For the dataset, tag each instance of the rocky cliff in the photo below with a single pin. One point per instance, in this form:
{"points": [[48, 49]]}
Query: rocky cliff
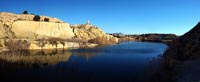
{"points": [[22, 30], [35, 30], [22, 26], [89, 32]]}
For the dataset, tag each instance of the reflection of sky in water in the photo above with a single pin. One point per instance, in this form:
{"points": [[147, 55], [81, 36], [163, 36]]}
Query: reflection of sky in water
{"points": [[122, 62]]}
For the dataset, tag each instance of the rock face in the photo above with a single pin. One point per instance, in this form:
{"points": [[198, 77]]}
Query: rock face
{"points": [[88, 32], [21, 31], [186, 47], [35, 30], [23, 26]]}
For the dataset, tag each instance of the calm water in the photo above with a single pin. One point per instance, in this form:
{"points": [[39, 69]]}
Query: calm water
{"points": [[125, 62]]}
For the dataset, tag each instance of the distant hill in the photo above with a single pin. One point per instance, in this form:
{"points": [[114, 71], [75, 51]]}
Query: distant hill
{"points": [[153, 37]]}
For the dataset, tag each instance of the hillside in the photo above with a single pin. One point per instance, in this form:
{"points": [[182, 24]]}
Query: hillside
{"points": [[187, 46], [27, 31], [183, 56]]}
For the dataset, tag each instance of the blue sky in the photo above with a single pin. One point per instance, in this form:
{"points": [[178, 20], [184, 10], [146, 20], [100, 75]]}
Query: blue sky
{"points": [[114, 16]]}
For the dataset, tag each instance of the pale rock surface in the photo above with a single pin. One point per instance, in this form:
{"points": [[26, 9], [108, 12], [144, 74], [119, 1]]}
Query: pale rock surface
{"points": [[23, 26], [88, 32], [35, 30]]}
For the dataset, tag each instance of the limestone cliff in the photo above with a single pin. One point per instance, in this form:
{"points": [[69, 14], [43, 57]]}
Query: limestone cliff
{"points": [[35, 30], [21, 31], [22, 26], [89, 32]]}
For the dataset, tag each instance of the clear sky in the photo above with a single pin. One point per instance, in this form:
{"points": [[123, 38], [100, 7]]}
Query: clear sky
{"points": [[114, 16]]}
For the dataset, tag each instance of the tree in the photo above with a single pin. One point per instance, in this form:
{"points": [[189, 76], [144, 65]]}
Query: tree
{"points": [[25, 12], [36, 18], [63, 43], [42, 43], [46, 19]]}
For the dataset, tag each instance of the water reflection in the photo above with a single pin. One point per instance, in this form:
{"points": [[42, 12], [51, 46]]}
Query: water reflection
{"points": [[124, 62], [31, 58], [41, 58]]}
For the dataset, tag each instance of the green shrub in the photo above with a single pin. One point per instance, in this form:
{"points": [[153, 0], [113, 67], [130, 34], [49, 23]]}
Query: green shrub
{"points": [[46, 19], [25, 12], [36, 18]]}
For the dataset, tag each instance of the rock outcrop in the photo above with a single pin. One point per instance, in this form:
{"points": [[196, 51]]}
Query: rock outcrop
{"points": [[23, 26], [22, 31], [88, 32], [35, 30], [185, 47]]}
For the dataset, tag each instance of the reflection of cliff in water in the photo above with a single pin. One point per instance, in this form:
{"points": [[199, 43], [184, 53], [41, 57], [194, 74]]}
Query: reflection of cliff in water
{"points": [[41, 58], [33, 58]]}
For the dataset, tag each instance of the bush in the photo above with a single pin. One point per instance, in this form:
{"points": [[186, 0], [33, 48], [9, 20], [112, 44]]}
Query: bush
{"points": [[17, 44], [36, 18], [46, 19], [41, 44], [10, 44], [25, 12]]}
